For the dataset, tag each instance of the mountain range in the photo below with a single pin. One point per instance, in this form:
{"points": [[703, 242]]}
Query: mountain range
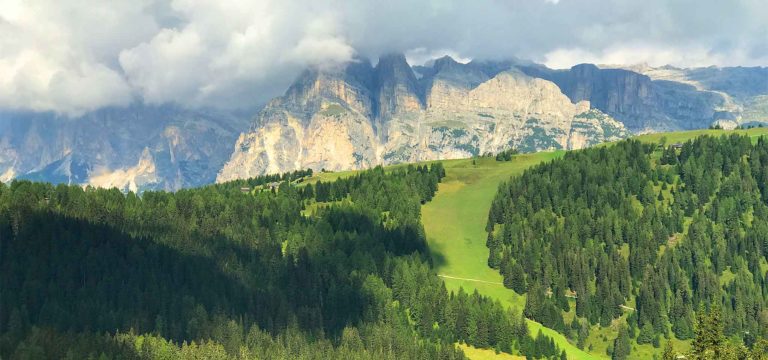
{"points": [[359, 114], [135, 148]]}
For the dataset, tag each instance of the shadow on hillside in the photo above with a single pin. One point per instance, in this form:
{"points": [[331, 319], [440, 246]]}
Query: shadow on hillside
{"points": [[74, 276], [77, 276]]}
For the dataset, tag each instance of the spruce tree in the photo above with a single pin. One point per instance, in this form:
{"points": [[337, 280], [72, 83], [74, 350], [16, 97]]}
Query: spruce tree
{"points": [[621, 345], [669, 352]]}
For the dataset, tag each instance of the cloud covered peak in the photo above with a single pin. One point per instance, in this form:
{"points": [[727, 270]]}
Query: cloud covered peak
{"points": [[72, 56]]}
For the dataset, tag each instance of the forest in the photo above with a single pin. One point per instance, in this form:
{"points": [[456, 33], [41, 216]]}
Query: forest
{"points": [[664, 241], [215, 272]]}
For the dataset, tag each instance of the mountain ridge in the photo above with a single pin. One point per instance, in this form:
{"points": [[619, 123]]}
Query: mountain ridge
{"points": [[385, 114], [357, 115]]}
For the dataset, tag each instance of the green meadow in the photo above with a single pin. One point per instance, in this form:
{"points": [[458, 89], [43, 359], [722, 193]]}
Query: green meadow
{"points": [[455, 225]]}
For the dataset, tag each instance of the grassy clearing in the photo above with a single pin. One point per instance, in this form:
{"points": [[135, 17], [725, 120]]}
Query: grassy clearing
{"points": [[455, 224], [601, 338], [486, 354], [455, 219]]}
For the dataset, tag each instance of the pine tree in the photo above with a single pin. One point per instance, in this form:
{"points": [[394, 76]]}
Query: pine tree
{"points": [[646, 334], [700, 345], [669, 352], [517, 278], [621, 346], [709, 337], [583, 335]]}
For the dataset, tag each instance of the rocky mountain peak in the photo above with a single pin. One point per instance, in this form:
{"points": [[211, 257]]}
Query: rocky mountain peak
{"points": [[444, 63], [349, 83], [138, 147], [449, 72], [355, 115], [584, 70], [397, 89]]}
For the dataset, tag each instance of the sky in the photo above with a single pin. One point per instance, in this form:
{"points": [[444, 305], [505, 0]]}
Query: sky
{"points": [[74, 56]]}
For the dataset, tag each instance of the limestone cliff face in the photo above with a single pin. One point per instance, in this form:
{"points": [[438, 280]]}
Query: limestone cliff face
{"points": [[744, 89], [358, 116], [640, 102], [397, 89], [135, 148], [323, 122]]}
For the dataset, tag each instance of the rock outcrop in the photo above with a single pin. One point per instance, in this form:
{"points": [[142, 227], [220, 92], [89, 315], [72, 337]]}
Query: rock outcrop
{"points": [[357, 116]]}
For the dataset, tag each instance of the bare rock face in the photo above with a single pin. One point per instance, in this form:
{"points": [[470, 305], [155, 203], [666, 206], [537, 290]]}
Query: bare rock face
{"points": [[358, 116], [397, 90], [323, 122], [135, 148], [642, 103], [744, 90]]}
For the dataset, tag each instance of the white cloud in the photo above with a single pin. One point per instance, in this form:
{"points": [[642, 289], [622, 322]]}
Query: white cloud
{"points": [[689, 56], [54, 56], [628, 55], [321, 45], [420, 56], [169, 67], [72, 56], [223, 47]]}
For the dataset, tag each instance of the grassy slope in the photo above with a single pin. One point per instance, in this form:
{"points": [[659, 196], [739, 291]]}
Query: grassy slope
{"points": [[683, 136], [455, 224]]}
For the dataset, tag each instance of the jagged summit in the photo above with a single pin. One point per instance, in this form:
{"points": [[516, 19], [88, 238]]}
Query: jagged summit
{"points": [[357, 116], [397, 89]]}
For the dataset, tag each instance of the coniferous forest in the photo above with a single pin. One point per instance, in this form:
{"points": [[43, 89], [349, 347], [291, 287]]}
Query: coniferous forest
{"points": [[317, 271], [670, 240]]}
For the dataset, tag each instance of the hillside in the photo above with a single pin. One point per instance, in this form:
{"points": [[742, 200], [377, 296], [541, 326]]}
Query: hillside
{"points": [[455, 223], [326, 270], [643, 238], [340, 265]]}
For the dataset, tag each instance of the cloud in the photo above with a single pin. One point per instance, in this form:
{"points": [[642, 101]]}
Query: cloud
{"points": [[73, 56], [56, 57], [421, 56], [652, 55], [225, 50]]}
